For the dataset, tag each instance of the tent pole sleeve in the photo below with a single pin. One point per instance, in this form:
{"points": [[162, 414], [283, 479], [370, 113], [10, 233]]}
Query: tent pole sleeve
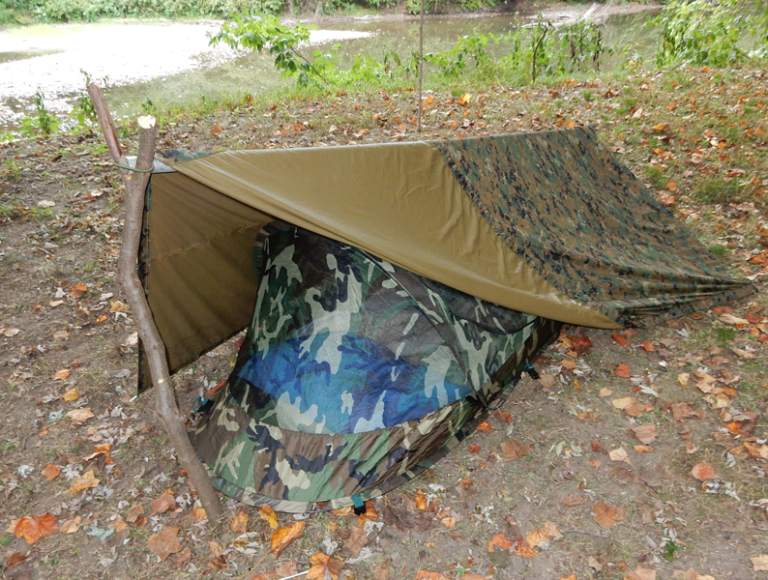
{"points": [[166, 406]]}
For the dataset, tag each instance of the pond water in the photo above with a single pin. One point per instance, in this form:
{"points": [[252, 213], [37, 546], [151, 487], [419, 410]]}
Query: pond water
{"points": [[171, 62]]}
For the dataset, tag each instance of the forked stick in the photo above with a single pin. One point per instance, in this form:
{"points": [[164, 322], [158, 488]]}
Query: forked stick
{"points": [[166, 407]]}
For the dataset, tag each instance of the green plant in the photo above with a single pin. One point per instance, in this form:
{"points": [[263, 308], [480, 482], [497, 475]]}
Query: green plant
{"points": [[42, 121], [709, 32], [258, 33], [84, 113]]}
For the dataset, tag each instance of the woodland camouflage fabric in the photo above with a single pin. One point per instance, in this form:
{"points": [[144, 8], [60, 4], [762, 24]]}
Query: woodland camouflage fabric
{"points": [[586, 224], [354, 376]]}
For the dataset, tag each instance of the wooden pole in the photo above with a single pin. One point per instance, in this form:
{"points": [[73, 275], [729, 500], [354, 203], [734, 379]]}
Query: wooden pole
{"points": [[166, 407], [421, 64]]}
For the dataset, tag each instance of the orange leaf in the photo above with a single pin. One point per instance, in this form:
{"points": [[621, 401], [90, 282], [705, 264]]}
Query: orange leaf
{"points": [[622, 371], [36, 527], [502, 415], [165, 543], [502, 541], [51, 471], [266, 513], [239, 523], [659, 127], [78, 290], [474, 448], [370, 515], [606, 515], [216, 129], [647, 346], [465, 99], [512, 449], [570, 124], [282, 537], [163, 503], [473, 576], [322, 563], [87, 481], [61, 375], [485, 427], [620, 339], [421, 500], [703, 471]]}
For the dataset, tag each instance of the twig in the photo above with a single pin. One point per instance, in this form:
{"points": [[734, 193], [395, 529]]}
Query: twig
{"points": [[536, 50]]}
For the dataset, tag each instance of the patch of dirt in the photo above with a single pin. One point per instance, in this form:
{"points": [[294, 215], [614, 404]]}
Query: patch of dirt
{"points": [[62, 328]]}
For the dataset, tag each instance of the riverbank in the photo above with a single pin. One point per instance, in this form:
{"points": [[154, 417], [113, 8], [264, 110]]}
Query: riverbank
{"points": [[697, 137]]}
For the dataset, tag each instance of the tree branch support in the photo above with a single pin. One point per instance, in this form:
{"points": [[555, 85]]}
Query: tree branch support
{"points": [[166, 406]]}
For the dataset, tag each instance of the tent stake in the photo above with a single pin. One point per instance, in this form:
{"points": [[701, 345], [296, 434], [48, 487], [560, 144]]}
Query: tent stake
{"points": [[166, 407]]}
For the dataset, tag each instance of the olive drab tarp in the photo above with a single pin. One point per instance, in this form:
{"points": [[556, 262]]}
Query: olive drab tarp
{"points": [[548, 224]]}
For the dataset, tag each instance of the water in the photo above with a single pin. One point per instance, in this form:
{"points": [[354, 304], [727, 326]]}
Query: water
{"points": [[170, 62]]}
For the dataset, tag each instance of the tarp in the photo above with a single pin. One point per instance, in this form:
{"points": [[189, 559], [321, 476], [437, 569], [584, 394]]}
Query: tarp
{"points": [[546, 223]]}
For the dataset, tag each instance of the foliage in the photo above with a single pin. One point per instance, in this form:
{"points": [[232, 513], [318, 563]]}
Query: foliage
{"points": [[710, 32], [258, 33], [42, 122], [84, 114]]}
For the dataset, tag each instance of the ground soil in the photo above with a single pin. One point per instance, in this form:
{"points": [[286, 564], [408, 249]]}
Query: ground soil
{"points": [[64, 326]]}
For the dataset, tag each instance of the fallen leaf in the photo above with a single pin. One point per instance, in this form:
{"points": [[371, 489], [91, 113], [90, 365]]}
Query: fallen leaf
{"points": [[760, 562], [357, 540], [282, 570], [78, 290], [622, 371], [641, 574], [682, 379], [9, 332], [760, 451], [267, 514], [448, 522], [465, 99], [645, 432], [165, 543], [70, 526], [745, 354], [500, 540], [383, 571], [322, 563], [51, 471], [473, 576], [162, 504], [682, 411], [475, 448], [34, 528], [502, 415], [215, 548], [703, 471], [547, 380], [606, 515], [200, 514], [605, 392], [70, 396], [511, 450], [573, 499], [543, 535], [135, 515], [485, 427], [216, 129], [647, 346], [80, 416], [643, 448], [61, 375], [568, 363], [733, 320], [369, 515], [619, 454], [14, 559], [620, 339], [87, 481], [239, 523], [624, 402], [282, 537], [429, 575], [117, 306]]}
